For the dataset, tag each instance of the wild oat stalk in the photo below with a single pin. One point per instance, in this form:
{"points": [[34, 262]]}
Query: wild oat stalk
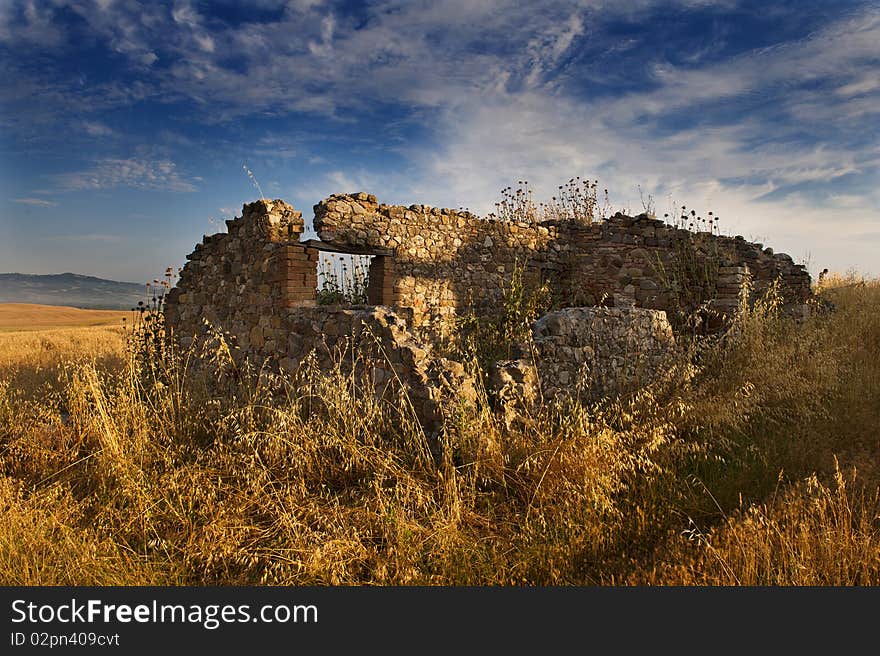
{"points": [[253, 180]]}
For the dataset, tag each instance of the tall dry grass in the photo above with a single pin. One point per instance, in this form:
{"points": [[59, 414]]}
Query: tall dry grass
{"points": [[740, 471], [32, 359]]}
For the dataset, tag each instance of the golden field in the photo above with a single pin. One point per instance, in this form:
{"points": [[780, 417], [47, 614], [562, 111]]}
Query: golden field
{"points": [[27, 316], [761, 466]]}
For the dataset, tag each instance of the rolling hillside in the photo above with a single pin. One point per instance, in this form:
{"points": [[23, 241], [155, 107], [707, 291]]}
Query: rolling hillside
{"points": [[69, 289]]}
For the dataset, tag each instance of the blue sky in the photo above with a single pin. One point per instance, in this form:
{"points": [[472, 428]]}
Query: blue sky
{"points": [[124, 125]]}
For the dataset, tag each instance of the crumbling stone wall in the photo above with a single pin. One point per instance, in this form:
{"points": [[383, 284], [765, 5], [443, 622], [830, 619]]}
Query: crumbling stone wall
{"points": [[591, 351], [643, 261], [241, 279], [447, 261], [257, 284], [586, 353]]}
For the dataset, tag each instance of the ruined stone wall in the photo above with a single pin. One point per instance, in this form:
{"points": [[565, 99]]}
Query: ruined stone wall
{"points": [[586, 353], [240, 279], [257, 286], [643, 261], [592, 351], [447, 261], [444, 261]]}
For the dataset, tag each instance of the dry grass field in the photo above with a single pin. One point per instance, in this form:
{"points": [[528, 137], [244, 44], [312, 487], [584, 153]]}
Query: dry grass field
{"points": [[761, 466], [26, 316]]}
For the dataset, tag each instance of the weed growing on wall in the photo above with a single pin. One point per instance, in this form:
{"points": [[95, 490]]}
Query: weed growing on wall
{"points": [[490, 338], [690, 277], [577, 200]]}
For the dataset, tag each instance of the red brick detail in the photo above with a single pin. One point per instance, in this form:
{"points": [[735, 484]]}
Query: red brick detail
{"points": [[380, 288], [297, 274]]}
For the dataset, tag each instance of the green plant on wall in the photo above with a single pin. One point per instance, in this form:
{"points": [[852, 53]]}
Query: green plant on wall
{"points": [[490, 338], [689, 277]]}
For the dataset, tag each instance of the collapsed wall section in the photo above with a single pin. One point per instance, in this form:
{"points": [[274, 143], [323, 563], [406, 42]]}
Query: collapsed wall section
{"points": [[375, 344], [586, 353]]}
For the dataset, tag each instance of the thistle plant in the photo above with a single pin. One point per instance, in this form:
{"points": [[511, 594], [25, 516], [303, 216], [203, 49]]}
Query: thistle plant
{"points": [[690, 220], [577, 201], [146, 335], [343, 280], [253, 178]]}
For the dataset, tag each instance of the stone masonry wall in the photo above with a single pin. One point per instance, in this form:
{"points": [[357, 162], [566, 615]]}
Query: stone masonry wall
{"points": [[240, 279], [446, 261], [643, 261], [257, 286], [586, 353]]}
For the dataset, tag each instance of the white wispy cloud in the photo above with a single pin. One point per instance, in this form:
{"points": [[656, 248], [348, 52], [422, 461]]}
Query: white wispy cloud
{"points": [[97, 129], [158, 175], [744, 134], [30, 23], [98, 237], [867, 82], [37, 202]]}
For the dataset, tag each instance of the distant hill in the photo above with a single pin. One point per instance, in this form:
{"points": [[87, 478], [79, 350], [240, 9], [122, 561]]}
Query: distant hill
{"points": [[70, 289]]}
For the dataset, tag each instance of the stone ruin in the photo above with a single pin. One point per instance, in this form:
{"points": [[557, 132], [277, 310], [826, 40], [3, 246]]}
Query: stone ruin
{"points": [[624, 285]]}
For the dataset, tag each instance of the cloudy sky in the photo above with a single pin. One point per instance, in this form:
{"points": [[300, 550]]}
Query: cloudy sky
{"points": [[125, 126]]}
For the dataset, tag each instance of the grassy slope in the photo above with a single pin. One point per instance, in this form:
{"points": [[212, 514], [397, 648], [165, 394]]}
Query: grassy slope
{"points": [[27, 316], [760, 467]]}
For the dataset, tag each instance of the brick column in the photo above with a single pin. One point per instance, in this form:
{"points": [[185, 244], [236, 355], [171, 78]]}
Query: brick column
{"points": [[380, 288], [299, 276]]}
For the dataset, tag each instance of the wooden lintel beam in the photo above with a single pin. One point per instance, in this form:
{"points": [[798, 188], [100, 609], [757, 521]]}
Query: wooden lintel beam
{"points": [[317, 244]]}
